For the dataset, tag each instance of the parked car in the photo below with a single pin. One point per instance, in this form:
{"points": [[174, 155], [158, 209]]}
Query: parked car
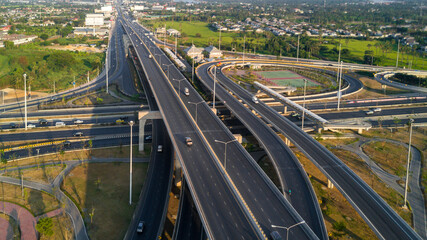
{"points": [[160, 148], [78, 121], [78, 134], [140, 227]]}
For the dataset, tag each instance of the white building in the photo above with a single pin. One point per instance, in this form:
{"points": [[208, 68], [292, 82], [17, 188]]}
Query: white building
{"points": [[138, 8], [213, 52], [107, 9], [157, 8], [94, 20], [194, 52]]}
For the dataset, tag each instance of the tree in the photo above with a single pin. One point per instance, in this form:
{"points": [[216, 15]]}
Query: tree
{"points": [[44, 226], [198, 35], [44, 36], [8, 44]]}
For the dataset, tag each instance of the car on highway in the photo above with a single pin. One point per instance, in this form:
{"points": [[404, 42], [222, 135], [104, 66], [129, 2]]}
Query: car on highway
{"points": [[160, 148], [140, 227], [149, 56], [59, 124], [376, 109], [186, 91], [31, 125], [188, 141], [255, 99], [148, 138], [120, 121], [66, 144], [78, 121], [370, 112], [43, 122], [53, 98], [275, 236], [13, 125], [78, 134]]}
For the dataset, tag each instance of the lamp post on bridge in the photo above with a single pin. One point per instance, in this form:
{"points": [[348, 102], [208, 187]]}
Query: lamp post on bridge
{"points": [[168, 65], [130, 165], [411, 121], [287, 228], [225, 150], [197, 104], [179, 85], [303, 105], [25, 99]]}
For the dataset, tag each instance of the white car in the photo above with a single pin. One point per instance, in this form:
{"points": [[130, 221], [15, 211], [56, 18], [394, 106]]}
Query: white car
{"points": [[78, 121], [376, 109], [160, 148], [370, 112], [31, 125]]}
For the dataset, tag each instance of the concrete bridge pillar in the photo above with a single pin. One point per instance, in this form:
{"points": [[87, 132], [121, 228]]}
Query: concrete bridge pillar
{"points": [[359, 131], [285, 109], [142, 118], [177, 170], [287, 142], [330, 184]]}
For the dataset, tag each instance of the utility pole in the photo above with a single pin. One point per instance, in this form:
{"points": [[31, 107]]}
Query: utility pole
{"points": [[25, 99], [176, 44], [303, 105], [397, 56], [411, 121], [192, 72], [338, 67], [214, 89], [130, 165], [298, 49], [106, 68], [339, 88], [219, 44], [87, 76], [244, 42]]}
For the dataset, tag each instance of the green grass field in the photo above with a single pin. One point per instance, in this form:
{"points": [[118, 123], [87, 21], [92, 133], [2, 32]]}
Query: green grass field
{"points": [[285, 78], [358, 47], [208, 36]]}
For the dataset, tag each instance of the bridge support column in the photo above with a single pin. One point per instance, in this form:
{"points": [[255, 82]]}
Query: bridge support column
{"points": [[330, 184], [177, 170], [359, 131], [142, 118], [285, 109], [287, 142]]}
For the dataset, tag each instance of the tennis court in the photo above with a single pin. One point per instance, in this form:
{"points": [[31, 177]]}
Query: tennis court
{"points": [[285, 78]]}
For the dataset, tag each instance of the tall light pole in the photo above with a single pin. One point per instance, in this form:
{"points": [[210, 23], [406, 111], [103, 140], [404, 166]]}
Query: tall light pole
{"points": [[213, 100], [411, 121], [197, 104], [339, 87], [298, 49], [192, 72], [130, 165], [25, 99], [106, 68], [287, 228], [219, 42], [338, 68], [225, 150], [397, 56], [303, 105], [179, 85], [244, 46], [160, 58], [168, 65]]}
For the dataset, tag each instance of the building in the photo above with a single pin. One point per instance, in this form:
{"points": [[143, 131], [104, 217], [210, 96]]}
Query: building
{"points": [[173, 32], [213, 52], [94, 20], [138, 8], [173, 9], [18, 38], [194, 52], [157, 8], [90, 31]]}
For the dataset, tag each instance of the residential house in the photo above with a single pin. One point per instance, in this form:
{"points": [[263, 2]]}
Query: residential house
{"points": [[194, 52], [213, 52]]}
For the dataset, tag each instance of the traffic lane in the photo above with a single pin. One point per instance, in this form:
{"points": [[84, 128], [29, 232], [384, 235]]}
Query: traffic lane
{"points": [[204, 167], [382, 113], [386, 223], [94, 120], [302, 197], [67, 134], [156, 194], [74, 145]]}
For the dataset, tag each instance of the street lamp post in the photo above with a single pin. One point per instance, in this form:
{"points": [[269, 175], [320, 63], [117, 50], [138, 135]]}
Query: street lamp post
{"points": [[168, 65], [303, 105], [244, 46], [338, 67], [397, 56], [197, 104], [160, 58], [339, 87], [287, 228], [214, 88], [225, 150], [130, 165], [25, 99], [298, 49], [106, 68], [411, 121], [179, 85]]}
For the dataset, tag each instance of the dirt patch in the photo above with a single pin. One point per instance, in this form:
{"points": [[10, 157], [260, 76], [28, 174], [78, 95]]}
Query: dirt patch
{"points": [[389, 156], [14, 95], [103, 196]]}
